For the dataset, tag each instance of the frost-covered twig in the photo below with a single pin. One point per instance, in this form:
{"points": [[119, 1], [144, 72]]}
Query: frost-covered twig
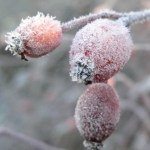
{"points": [[128, 18], [83, 20], [138, 17], [38, 145]]}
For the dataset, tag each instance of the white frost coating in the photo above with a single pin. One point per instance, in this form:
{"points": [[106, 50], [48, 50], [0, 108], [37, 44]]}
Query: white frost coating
{"points": [[27, 25], [36, 36], [108, 44], [82, 69], [14, 43], [97, 112]]}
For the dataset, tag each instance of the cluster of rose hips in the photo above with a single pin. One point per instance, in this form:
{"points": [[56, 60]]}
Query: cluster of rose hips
{"points": [[99, 50]]}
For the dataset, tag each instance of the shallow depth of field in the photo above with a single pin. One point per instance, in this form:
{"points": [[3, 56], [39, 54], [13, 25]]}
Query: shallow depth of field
{"points": [[38, 98]]}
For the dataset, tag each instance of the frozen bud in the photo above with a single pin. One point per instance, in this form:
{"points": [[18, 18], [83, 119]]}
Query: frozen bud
{"points": [[97, 112], [99, 50], [35, 36]]}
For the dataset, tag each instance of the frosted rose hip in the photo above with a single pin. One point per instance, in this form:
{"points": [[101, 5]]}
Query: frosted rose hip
{"points": [[35, 36], [97, 112], [99, 50]]}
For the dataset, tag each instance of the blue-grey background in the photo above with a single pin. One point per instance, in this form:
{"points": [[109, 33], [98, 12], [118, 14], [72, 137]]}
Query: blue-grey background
{"points": [[38, 98]]}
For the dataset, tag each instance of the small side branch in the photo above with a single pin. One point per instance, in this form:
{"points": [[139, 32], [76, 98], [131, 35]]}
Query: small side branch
{"points": [[38, 145]]}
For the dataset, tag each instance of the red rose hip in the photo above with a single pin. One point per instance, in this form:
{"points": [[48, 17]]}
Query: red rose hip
{"points": [[99, 50], [97, 112], [35, 36]]}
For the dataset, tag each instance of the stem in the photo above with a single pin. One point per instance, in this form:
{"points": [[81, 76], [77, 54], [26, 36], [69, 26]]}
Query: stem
{"points": [[92, 145], [128, 18], [38, 145], [83, 20], [138, 17]]}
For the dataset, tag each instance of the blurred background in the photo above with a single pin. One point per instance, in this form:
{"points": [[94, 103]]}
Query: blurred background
{"points": [[38, 98]]}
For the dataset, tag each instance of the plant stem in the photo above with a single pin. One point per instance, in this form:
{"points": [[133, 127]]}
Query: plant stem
{"points": [[128, 18], [137, 17], [83, 20], [92, 145]]}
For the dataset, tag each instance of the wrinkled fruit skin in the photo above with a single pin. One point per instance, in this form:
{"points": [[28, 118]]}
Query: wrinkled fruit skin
{"points": [[99, 50], [97, 112]]}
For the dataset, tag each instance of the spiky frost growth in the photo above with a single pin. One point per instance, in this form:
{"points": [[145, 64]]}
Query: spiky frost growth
{"points": [[97, 113], [35, 36], [103, 47]]}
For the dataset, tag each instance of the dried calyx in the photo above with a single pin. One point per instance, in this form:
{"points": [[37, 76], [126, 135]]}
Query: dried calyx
{"points": [[82, 70]]}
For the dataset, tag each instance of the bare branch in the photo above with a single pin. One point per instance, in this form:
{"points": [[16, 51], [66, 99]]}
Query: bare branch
{"points": [[83, 20], [138, 17], [38, 145], [127, 18]]}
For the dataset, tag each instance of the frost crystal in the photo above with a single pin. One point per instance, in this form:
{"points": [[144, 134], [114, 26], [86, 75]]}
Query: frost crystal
{"points": [[82, 70], [15, 43]]}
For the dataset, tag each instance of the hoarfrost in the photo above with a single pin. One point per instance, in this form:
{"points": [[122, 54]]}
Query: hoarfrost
{"points": [[97, 112], [105, 42], [39, 35]]}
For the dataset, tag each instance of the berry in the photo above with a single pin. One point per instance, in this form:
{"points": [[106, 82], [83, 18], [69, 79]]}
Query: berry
{"points": [[35, 36], [97, 112], [99, 50]]}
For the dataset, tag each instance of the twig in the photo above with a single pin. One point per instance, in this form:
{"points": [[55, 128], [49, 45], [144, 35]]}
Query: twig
{"points": [[38, 145], [127, 18], [83, 20], [138, 17]]}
